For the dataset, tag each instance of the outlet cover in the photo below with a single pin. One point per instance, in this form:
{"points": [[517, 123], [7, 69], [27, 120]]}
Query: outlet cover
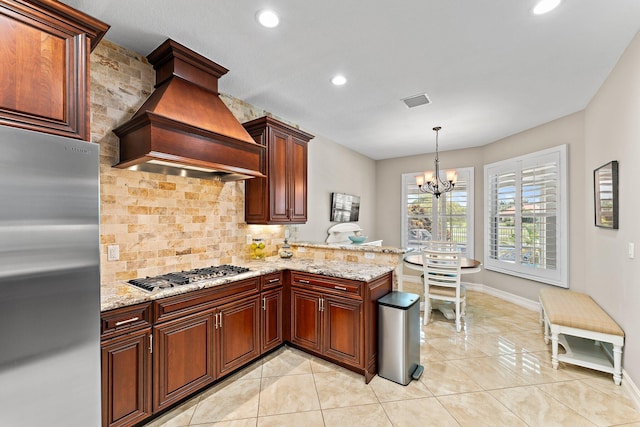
{"points": [[369, 255], [113, 252]]}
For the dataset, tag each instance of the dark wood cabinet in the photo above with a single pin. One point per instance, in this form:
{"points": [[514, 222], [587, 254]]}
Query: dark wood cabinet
{"points": [[281, 198], [183, 359], [342, 329], [45, 47], [337, 318], [327, 324], [237, 333], [271, 320], [306, 319], [126, 366], [158, 353]]}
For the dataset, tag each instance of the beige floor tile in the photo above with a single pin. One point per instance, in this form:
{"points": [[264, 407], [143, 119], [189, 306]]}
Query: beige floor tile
{"points": [[443, 378], [493, 344], [537, 408], [597, 406], [388, 391], [429, 353], [287, 394], [343, 388], [491, 372], [178, 417], [231, 401], [320, 365], [286, 361], [456, 347], [299, 419], [419, 413], [479, 409], [355, 416], [245, 422], [536, 368]]}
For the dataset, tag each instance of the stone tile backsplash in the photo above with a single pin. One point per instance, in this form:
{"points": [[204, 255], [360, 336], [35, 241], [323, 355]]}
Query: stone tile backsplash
{"points": [[161, 223]]}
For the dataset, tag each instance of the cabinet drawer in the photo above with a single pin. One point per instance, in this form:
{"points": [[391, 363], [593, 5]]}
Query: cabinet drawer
{"points": [[125, 319], [272, 280], [324, 283], [193, 302]]}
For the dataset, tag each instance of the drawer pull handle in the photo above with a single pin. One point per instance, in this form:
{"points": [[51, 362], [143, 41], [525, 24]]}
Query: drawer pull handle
{"points": [[303, 281], [124, 322], [274, 280], [341, 288]]}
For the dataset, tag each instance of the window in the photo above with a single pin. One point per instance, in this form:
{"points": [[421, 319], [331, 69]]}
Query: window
{"points": [[449, 217], [526, 206]]}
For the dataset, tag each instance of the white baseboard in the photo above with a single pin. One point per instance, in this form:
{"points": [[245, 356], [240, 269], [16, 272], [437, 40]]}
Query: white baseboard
{"points": [[630, 388]]}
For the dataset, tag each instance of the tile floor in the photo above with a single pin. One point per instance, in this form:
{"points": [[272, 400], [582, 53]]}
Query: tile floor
{"points": [[496, 372]]}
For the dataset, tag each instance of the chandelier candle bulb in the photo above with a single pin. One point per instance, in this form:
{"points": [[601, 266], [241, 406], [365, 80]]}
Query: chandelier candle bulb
{"points": [[452, 176]]}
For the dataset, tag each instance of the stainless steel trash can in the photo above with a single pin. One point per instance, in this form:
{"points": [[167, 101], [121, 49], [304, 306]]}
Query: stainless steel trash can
{"points": [[399, 337]]}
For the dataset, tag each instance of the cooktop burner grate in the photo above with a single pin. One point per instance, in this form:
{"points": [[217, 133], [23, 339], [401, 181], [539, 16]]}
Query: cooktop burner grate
{"points": [[171, 280]]}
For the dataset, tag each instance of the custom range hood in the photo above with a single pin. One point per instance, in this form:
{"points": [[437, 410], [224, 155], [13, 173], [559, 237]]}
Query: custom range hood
{"points": [[184, 128]]}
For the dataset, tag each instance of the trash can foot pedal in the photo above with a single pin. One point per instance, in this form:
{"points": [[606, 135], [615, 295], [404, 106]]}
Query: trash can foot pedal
{"points": [[418, 372]]}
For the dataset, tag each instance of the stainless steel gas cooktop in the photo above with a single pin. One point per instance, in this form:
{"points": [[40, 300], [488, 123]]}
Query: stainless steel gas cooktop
{"points": [[171, 280]]}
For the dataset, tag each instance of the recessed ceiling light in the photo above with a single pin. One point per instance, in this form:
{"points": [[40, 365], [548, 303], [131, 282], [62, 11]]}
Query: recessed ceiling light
{"points": [[338, 80], [545, 6], [268, 18]]}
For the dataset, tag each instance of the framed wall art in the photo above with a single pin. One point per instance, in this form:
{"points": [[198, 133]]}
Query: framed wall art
{"points": [[605, 191]]}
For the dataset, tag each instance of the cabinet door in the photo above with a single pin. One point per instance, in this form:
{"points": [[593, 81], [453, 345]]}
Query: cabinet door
{"points": [[238, 332], [183, 358], [298, 181], [271, 319], [279, 177], [126, 379], [342, 330], [305, 319]]}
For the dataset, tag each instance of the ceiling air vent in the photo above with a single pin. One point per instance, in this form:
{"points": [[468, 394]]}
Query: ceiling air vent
{"points": [[417, 100]]}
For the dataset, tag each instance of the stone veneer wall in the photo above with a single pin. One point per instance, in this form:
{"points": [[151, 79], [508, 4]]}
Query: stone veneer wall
{"points": [[161, 223]]}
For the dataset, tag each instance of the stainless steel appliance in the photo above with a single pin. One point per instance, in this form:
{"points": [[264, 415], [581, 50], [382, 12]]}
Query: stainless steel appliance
{"points": [[171, 280], [49, 280]]}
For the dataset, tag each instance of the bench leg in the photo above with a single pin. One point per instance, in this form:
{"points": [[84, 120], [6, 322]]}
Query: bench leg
{"points": [[546, 331], [554, 350], [617, 364]]}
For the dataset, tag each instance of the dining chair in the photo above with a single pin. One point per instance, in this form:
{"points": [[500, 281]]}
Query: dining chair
{"points": [[441, 245], [442, 282]]}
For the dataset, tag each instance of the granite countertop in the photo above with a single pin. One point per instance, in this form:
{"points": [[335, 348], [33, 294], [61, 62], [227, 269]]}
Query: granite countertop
{"points": [[353, 247], [121, 294]]}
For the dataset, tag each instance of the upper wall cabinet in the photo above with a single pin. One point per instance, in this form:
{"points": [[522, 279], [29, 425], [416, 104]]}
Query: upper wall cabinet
{"points": [[44, 78], [281, 198]]}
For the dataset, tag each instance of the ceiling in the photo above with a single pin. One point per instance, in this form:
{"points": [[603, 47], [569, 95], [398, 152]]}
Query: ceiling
{"points": [[490, 67]]}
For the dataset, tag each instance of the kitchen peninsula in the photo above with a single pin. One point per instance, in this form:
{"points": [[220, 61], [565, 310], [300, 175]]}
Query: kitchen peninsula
{"points": [[160, 347]]}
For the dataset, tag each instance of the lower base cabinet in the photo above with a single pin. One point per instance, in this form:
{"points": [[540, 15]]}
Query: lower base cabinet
{"points": [[183, 358], [202, 336], [126, 379]]}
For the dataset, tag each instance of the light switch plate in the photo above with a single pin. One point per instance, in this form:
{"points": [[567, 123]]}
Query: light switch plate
{"points": [[113, 252], [369, 255], [632, 250]]}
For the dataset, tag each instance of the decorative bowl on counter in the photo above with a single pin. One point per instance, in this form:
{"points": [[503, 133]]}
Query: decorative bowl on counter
{"points": [[357, 239]]}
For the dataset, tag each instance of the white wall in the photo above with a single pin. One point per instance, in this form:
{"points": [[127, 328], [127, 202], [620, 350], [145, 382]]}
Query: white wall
{"points": [[612, 129], [334, 168]]}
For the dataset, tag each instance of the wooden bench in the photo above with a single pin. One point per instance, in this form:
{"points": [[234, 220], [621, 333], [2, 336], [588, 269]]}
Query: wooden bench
{"points": [[590, 337]]}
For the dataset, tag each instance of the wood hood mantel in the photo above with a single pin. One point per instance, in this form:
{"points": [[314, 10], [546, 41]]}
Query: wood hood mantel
{"points": [[184, 128]]}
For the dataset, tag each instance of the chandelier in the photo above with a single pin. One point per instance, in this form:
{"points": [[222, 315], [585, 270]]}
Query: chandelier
{"points": [[433, 183]]}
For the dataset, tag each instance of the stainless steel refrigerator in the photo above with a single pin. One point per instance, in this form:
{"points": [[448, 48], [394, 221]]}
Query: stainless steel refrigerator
{"points": [[49, 280]]}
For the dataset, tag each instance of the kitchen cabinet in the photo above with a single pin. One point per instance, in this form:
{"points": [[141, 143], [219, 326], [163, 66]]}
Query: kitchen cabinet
{"points": [[126, 365], [183, 359], [206, 335], [281, 197], [337, 319], [271, 314], [45, 47], [238, 333]]}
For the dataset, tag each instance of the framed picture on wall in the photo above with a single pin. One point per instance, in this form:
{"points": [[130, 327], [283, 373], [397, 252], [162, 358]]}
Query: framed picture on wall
{"points": [[605, 188]]}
